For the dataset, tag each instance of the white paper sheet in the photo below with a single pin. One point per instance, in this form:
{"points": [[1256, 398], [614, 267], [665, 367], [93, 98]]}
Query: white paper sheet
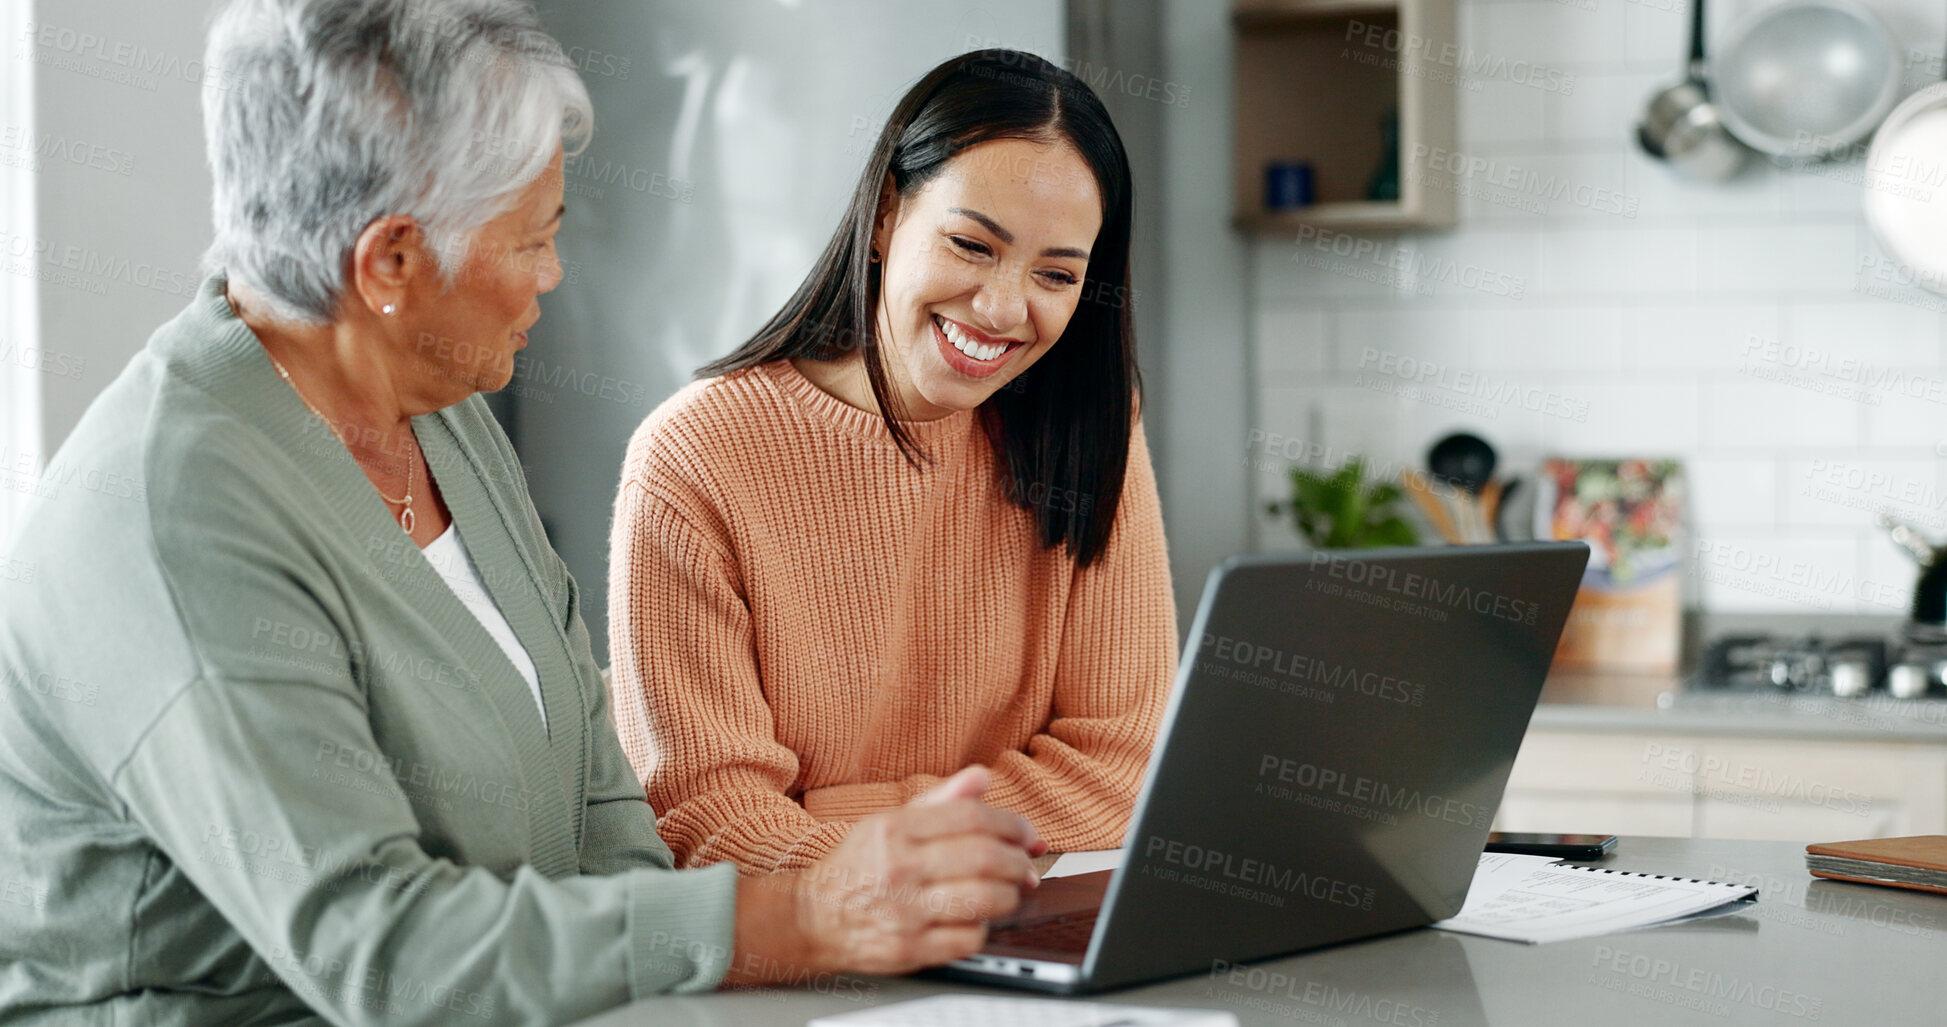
{"points": [[1071, 863], [1533, 899]]}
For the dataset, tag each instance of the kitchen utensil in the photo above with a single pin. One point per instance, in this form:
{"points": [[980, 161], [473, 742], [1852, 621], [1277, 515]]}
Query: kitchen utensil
{"points": [[1930, 595], [1491, 510], [1421, 490], [1906, 205], [1928, 618], [1681, 126], [1462, 460], [1465, 463], [1501, 511], [1804, 80], [1907, 537]]}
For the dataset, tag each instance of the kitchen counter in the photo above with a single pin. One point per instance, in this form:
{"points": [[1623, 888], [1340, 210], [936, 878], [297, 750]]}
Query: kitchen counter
{"points": [[1808, 951], [1638, 754], [1658, 703]]}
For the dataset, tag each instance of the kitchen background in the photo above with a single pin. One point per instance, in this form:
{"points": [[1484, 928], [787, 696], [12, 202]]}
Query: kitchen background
{"points": [[1646, 315], [1655, 316], [1588, 303]]}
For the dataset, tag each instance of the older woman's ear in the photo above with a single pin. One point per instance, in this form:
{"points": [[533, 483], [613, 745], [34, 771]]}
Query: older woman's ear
{"points": [[389, 258]]}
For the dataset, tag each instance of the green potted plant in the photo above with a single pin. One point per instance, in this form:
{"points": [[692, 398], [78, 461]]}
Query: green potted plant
{"points": [[1340, 509]]}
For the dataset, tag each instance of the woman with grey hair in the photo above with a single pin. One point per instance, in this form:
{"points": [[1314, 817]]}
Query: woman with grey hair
{"points": [[303, 722]]}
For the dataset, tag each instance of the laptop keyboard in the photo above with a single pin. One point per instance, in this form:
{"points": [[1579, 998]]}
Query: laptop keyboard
{"points": [[1062, 932]]}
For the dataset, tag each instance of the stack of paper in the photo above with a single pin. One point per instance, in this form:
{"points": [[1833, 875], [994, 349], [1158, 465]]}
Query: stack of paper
{"points": [[1533, 899]]}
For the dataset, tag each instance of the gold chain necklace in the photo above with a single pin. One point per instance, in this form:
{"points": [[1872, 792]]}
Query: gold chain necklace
{"points": [[406, 518]]}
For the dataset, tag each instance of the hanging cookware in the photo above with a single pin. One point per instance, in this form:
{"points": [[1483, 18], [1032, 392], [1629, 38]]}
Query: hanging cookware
{"points": [[1681, 125], [1906, 191], [1804, 80]]}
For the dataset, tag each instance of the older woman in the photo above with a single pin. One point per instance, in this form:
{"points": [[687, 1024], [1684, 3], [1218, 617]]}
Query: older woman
{"points": [[308, 724]]}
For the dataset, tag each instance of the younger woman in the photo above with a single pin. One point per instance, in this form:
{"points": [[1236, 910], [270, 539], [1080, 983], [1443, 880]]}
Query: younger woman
{"points": [[911, 525]]}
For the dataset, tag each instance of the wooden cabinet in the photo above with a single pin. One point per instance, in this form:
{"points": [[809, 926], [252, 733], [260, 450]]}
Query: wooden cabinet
{"points": [[1716, 786], [1315, 82]]}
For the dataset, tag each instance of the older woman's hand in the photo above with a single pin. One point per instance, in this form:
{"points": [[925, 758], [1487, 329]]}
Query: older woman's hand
{"points": [[906, 889]]}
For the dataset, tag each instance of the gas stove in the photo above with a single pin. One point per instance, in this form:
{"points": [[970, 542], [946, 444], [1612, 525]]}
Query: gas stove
{"points": [[1912, 665]]}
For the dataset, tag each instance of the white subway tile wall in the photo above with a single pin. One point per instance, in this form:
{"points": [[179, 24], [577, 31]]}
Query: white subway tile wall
{"points": [[1593, 303]]}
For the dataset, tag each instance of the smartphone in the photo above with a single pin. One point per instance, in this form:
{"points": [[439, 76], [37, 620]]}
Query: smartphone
{"points": [[1560, 846]]}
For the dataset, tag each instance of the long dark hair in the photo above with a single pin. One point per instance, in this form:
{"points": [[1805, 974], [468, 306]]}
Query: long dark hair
{"points": [[1062, 428]]}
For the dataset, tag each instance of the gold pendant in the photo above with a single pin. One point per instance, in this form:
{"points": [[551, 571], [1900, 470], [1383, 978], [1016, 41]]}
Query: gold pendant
{"points": [[406, 519]]}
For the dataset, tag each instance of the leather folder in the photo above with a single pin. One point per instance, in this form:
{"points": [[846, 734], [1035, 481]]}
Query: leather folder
{"points": [[1919, 862]]}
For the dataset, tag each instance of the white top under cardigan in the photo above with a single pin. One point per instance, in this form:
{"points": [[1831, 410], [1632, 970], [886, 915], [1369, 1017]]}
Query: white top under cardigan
{"points": [[449, 557]]}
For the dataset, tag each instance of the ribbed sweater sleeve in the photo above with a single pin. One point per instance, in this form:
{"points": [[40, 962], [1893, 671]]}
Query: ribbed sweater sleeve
{"points": [[679, 620], [1077, 779]]}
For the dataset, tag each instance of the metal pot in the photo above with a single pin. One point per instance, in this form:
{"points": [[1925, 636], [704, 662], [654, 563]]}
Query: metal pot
{"points": [[1804, 80], [1682, 127]]}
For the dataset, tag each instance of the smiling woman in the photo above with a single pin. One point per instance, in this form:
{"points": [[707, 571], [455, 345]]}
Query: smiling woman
{"points": [[298, 716], [911, 524]]}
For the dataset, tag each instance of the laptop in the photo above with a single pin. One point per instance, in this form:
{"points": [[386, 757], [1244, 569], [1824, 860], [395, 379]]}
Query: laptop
{"points": [[1341, 731]]}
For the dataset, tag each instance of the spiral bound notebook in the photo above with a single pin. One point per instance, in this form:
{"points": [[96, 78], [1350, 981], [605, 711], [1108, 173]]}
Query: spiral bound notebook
{"points": [[1533, 899]]}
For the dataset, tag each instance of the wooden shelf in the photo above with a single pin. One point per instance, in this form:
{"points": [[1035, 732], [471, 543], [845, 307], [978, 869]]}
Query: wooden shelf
{"points": [[1249, 14], [1345, 217], [1313, 81]]}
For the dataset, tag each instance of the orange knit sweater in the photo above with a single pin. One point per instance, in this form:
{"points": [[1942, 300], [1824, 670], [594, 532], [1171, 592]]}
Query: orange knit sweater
{"points": [[805, 629]]}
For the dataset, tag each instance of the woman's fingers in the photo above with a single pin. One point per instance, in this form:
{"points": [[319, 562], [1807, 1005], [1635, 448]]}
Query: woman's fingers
{"points": [[914, 886], [969, 783], [938, 820], [991, 860]]}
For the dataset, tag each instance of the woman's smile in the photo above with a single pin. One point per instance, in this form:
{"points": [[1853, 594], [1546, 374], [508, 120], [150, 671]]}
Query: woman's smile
{"points": [[970, 351]]}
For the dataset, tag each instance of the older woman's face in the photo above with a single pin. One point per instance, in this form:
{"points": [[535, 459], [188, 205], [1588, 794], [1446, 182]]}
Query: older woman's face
{"points": [[467, 335]]}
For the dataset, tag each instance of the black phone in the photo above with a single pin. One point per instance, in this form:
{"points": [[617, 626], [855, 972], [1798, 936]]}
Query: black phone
{"points": [[1560, 846]]}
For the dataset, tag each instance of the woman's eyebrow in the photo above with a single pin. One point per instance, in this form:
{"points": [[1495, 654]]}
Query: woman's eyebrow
{"points": [[991, 225], [1008, 237]]}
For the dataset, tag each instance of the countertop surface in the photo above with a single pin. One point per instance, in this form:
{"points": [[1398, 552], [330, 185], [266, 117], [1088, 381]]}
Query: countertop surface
{"points": [[1810, 951], [1660, 703]]}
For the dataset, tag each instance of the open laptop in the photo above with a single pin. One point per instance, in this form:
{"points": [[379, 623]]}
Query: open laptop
{"points": [[1341, 731]]}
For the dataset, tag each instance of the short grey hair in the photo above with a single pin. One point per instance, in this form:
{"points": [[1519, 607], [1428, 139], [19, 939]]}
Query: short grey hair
{"points": [[322, 116]]}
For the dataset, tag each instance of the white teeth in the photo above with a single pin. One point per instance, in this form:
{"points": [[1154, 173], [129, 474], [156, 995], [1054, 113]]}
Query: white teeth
{"points": [[968, 346]]}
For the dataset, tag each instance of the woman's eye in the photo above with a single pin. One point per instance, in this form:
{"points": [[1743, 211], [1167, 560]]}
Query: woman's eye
{"points": [[969, 245], [1060, 277]]}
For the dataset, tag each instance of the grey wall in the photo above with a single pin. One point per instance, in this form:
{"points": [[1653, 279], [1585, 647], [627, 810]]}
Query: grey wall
{"points": [[117, 82], [728, 135], [1205, 368], [728, 138]]}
